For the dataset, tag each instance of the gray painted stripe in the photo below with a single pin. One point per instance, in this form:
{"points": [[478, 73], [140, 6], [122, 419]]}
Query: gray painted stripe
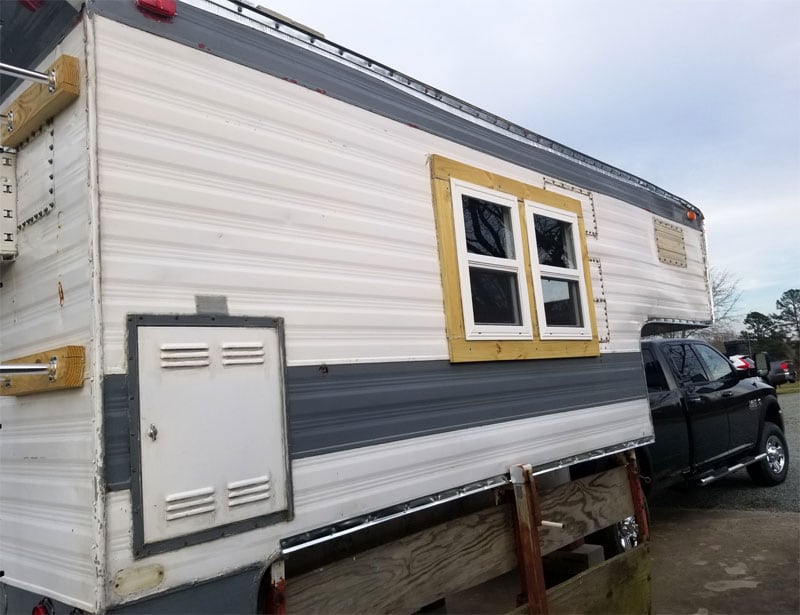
{"points": [[235, 592], [116, 432], [238, 43], [347, 406]]}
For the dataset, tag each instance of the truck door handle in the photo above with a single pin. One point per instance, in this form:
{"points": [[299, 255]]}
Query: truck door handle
{"points": [[696, 400]]}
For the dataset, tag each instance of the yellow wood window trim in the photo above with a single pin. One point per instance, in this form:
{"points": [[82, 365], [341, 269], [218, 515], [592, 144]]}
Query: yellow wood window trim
{"points": [[461, 349]]}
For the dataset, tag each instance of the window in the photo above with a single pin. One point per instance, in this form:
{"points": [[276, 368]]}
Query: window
{"points": [[656, 381], [686, 363], [491, 264], [717, 366], [514, 267], [558, 278]]}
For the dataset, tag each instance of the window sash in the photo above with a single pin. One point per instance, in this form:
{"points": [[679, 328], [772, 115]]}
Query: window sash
{"points": [[576, 274], [469, 260]]}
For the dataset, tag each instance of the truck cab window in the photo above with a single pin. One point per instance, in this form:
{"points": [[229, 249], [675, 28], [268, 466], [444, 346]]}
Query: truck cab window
{"points": [[718, 366], [686, 363], [653, 373]]}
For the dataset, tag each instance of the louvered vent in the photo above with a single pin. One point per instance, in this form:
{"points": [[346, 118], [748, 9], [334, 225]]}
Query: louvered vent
{"points": [[190, 503], [242, 353], [248, 491], [184, 355]]}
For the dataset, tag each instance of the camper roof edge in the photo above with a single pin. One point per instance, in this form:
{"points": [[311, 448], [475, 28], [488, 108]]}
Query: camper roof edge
{"points": [[242, 34]]}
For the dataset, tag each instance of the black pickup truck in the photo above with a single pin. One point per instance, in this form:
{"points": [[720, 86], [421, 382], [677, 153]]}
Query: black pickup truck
{"points": [[709, 419]]}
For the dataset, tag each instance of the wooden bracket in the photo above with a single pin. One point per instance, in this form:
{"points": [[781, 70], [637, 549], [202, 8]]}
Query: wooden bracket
{"points": [[69, 366], [39, 103], [528, 520]]}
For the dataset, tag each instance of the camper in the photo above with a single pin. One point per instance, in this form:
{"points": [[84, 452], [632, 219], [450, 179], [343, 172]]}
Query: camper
{"points": [[269, 307]]}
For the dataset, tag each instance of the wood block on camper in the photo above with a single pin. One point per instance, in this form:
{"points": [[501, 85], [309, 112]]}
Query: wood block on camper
{"points": [[37, 104], [70, 361]]}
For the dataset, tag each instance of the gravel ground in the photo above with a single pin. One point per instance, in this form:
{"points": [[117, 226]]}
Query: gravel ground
{"points": [[737, 491]]}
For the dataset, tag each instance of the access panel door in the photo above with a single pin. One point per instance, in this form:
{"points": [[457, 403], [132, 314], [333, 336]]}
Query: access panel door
{"points": [[212, 432]]}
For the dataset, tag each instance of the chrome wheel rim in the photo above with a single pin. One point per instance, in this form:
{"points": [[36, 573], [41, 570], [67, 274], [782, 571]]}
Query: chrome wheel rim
{"points": [[628, 533], [776, 458]]}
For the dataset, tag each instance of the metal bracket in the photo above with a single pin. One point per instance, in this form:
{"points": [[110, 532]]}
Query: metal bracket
{"points": [[8, 206]]}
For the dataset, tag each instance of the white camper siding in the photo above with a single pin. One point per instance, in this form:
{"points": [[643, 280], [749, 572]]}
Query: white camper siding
{"points": [[217, 179], [637, 285], [47, 473]]}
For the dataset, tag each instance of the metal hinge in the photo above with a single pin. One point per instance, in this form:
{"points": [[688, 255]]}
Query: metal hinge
{"points": [[8, 206]]}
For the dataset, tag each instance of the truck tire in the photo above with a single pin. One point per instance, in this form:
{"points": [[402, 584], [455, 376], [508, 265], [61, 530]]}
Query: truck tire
{"points": [[773, 468]]}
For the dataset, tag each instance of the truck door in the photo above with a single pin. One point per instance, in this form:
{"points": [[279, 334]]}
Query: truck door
{"points": [[706, 408], [742, 419], [670, 453]]}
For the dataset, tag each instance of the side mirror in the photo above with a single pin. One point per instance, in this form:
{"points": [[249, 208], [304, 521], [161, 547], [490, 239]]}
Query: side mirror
{"points": [[762, 364]]}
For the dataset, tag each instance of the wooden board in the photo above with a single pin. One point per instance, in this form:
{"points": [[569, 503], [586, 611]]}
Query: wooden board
{"points": [[409, 573], [406, 574], [584, 506], [69, 372], [619, 585], [37, 104]]}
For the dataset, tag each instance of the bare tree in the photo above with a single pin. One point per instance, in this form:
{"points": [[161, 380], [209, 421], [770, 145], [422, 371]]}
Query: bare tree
{"points": [[726, 295]]}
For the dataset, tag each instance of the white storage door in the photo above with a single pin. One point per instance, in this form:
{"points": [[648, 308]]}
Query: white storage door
{"points": [[212, 427]]}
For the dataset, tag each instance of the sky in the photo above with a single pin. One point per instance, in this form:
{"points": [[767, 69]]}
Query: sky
{"points": [[700, 97]]}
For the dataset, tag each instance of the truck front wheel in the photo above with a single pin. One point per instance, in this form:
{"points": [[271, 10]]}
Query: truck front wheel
{"points": [[773, 468]]}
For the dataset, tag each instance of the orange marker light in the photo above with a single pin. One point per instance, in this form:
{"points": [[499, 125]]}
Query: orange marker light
{"points": [[691, 215]]}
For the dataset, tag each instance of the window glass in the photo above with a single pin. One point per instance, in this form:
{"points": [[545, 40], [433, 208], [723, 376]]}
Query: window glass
{"points": [[686, 363], [656, 381], [559, 281], [718, 366], [554, 242], [491, 263], [495, 297], [562, 306], [487, 228]]}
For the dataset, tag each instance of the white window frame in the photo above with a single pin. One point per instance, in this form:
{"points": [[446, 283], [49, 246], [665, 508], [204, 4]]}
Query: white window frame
{"points": [[560, 273], [473, 330]]}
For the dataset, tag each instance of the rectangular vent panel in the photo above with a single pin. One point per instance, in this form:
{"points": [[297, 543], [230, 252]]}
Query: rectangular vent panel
{"points": [[670, 243], [248, 491], [190, 503], [243, 353], [184, 355]]}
